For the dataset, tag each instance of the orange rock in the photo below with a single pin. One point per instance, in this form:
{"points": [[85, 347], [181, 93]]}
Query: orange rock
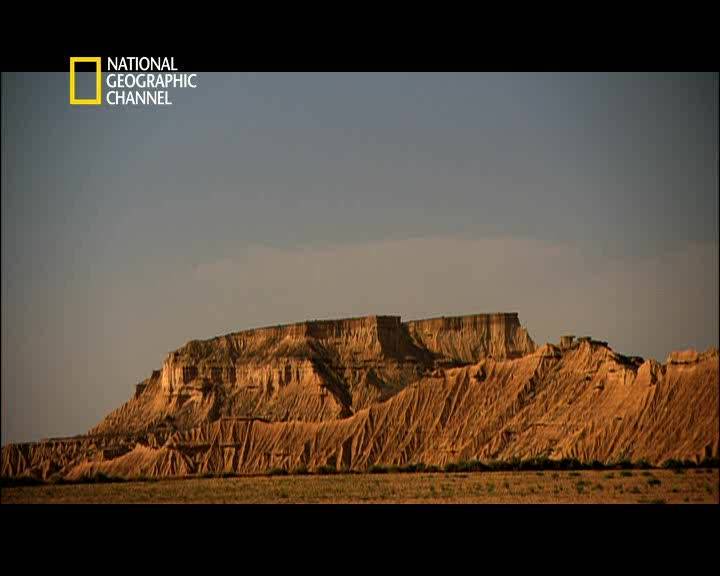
{"points": [[358, 392]]}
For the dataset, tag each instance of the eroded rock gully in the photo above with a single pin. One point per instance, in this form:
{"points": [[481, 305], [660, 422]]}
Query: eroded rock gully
{"points": [[358, 392]]}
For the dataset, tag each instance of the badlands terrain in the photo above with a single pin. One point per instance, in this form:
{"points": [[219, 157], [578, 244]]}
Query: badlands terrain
{"points": [[369, 393]]}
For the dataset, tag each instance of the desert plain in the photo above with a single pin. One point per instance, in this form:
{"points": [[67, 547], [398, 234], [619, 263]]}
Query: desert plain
{"points": [[659, 486]]}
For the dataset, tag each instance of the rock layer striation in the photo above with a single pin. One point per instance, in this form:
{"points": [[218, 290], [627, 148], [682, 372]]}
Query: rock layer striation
{"points": [[359, 392]]}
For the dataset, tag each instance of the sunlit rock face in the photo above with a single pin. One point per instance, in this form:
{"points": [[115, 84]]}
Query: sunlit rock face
{"points": [[357, 392], [470, 338]]}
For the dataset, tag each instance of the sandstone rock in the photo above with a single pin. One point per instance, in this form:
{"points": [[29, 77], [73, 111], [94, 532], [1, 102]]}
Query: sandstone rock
{"points": [[469, 338], [363, 391]]}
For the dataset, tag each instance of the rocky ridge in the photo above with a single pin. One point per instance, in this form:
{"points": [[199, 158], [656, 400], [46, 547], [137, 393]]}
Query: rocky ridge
{"points": [[359, 392]]}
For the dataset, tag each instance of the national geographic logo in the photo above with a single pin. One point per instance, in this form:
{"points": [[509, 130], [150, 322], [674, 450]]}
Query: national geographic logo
{"points": [[74, 100], [130, 81]]}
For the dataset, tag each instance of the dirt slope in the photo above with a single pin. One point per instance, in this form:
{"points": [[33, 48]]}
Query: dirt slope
{"points": [[358, 392]]}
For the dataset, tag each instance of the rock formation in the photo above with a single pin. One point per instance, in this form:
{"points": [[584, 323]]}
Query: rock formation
{"points": [[358, 392]]}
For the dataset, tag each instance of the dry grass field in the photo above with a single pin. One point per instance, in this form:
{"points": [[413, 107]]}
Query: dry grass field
{"points": [[526, 487]]}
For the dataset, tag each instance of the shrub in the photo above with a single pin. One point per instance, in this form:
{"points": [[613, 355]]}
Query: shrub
{"points": [[569, 464], [277, 472], [326, 469], [673, 464], [417, 467], [710, 463], [512, 464], [478, 466], [102, 478], [539, 463], [377, 469], [8, 481], [466, 466]]}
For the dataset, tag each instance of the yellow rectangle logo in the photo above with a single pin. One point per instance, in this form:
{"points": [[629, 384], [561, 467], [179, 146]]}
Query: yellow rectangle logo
{"points": [[98, 81]]}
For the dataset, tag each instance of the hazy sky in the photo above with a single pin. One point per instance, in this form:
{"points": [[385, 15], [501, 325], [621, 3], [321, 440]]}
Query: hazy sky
{"points": [[588, 203]]}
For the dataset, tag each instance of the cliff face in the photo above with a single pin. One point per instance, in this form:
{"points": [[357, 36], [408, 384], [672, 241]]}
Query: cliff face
{"points": [[470, 338], [320, 370], [358, 392], [348, 343]]}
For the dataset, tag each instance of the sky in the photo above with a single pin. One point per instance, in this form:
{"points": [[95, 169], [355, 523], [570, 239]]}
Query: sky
{"points": [[587, 203]]}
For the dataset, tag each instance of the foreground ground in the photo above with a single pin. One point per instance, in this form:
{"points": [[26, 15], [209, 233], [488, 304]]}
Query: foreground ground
{"points": [[586, 486]]}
